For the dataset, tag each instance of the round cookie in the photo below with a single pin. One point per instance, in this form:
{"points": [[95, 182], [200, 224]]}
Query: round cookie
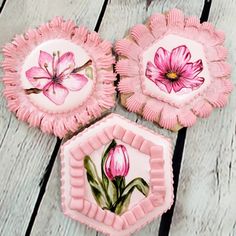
{"points": [[173, 69], [58, 77]]}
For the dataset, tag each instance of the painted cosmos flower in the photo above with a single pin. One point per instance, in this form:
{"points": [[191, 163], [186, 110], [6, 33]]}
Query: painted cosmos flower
{"points": [[173, 70], [55, 75], [117, 162]]}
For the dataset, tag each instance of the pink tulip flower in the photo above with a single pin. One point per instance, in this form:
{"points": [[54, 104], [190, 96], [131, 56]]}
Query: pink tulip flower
{"points": [[117, 162]]}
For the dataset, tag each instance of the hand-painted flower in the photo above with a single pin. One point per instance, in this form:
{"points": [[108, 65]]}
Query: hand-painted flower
{"points": [[117, 162], [174, 71], [55, 77]]}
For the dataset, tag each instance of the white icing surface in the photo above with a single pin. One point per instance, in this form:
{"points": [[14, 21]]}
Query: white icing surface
{"points": [[74, 98], [155, 138], [139, 167], [170, 42]]}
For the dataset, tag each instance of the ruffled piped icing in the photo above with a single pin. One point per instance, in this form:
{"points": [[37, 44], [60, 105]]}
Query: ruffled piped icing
{"points": [[161, 109], [59, 123]]}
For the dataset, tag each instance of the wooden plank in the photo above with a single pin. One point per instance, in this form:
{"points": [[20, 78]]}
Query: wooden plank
{"points": [[206, 197], [25, 152], [124, 15], [118, 18], [1, 2]]}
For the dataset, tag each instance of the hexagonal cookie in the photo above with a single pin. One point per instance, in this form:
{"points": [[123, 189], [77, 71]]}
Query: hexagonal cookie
{"points": [[116, 176]]}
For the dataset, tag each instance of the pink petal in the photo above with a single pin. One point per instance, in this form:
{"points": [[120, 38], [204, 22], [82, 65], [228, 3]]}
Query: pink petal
{"points": [[168, 85], [179, 57], [119, 161], [55, 92], [192, 83], [107, 166], [177, 85], [162, 60], [37, 76], [191, 70], [152, 72], [126, 157], [155, 76], [65, 63], [45, 59], [75, 82]]}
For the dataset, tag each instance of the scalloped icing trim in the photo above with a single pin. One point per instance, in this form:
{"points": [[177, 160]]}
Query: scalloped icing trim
{"points": [[59, 123], [164, 112], [155, 198]]}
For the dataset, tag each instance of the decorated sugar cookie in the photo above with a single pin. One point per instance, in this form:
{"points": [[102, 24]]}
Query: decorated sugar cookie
{"points": [[58, 77], [173, 70], [116, 176]]}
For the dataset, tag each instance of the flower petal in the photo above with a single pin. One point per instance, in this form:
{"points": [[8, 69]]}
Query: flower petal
{"points": [[192, 83], [152, 72], [65, 64], [191, 70], [177, 85], [37, 76], [168, 85], [75, 82], [162, 60], [155, 76], [107, 166], [179, 58], [45, 59], [119, 161], [55, 92]]}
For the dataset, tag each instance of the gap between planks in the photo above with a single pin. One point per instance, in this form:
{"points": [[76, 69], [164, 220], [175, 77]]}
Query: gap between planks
{"points": [[55, 151], [166, 218], [120, 110]]}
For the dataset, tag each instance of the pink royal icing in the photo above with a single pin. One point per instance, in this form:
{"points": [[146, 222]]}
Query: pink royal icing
{"points": [[173, 69], [59, 76], [130, 155]]}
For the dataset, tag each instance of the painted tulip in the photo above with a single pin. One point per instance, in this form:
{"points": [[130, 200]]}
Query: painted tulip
{"points": [[117, 162]]}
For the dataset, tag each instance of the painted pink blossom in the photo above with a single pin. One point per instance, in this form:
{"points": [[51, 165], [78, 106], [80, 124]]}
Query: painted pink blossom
{"points": [[174, 71], [117, 162], [55, 76]]}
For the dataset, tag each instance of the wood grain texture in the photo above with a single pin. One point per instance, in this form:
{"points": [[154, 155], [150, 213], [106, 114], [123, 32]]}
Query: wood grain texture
{"points": [[118, 18], [25, 152], [122, 16], [206, 199]]}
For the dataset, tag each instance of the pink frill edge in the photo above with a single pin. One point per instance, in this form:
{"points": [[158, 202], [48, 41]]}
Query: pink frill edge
{"points": [[118, 222], [167, 114], [59, 124]]}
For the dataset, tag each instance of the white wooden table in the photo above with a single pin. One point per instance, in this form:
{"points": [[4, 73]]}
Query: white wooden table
{"points": [[29, 161]]}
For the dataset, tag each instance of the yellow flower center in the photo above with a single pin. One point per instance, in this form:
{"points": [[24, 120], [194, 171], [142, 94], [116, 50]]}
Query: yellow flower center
{"points": [[171, 75]]}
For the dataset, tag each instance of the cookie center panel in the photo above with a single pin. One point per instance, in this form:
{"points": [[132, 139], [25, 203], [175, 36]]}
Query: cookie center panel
{"points": [[174, 69], [137, 167], [58, 76]]}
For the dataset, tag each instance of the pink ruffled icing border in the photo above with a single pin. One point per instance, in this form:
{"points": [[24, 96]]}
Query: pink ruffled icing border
{"points": [[166, 113], [59, 124], [157, 182]]}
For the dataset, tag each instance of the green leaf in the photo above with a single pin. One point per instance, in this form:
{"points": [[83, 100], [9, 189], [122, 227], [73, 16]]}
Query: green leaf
{"points": [[105, 180], [119, 182], [89, 72], [95, 183], [123, 202], [112, 192], [138, 183]]}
